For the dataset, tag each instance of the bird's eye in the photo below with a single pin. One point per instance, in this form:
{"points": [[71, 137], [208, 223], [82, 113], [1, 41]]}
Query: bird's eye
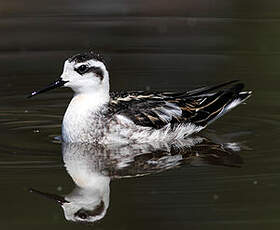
{"points": [[82, 69], [81, 214]]}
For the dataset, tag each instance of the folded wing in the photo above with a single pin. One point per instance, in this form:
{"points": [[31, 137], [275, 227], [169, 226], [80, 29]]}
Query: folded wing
{"points": [[199, 107]]}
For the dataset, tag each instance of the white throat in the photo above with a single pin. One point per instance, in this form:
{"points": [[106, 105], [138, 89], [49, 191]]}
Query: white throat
{"points": [[81, 113]]}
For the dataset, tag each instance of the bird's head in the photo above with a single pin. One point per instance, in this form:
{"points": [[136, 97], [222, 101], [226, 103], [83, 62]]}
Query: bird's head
{"points": [[84, 73]]}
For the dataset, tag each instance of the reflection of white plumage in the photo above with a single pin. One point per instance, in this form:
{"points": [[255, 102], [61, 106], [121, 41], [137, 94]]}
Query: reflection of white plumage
{"points": [[95, 115], [93, 166], [90, 199]]}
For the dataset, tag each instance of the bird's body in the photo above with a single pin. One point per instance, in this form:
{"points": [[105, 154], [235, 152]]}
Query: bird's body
{"points": [[113, 122], [96, 115]]}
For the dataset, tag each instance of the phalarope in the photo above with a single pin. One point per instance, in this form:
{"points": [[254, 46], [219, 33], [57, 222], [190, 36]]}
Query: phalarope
{"points": [[96, 115]]}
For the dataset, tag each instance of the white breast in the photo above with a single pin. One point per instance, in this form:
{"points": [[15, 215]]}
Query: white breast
{"points": [[85, 122], [81, 119]]}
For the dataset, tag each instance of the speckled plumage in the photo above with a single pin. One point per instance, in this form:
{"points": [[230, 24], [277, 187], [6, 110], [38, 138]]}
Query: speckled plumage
{"points": [[157, 109], [96, 115], [146, 116]]}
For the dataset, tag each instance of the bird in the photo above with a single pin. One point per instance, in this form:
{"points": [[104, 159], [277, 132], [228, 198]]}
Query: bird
{"points": [[96, 115]]}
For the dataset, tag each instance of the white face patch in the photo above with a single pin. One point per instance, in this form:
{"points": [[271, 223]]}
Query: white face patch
{"points": [[70, 72], [92, 77]]}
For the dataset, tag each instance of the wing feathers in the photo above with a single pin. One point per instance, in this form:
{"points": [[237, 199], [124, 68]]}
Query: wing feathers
{"points": [[199, 107]]}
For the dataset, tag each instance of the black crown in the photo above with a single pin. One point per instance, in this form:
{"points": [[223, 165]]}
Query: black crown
{"points": [[82, 57]]}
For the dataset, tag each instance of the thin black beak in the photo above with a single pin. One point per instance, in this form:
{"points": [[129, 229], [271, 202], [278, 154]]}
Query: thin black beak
{"points": [[58, 83], [59, 199]]}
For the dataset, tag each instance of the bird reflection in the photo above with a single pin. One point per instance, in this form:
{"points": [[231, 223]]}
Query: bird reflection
{"points": [[92, 167]]}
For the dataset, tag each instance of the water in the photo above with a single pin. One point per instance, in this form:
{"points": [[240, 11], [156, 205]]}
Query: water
{"points": [[147, 46]]}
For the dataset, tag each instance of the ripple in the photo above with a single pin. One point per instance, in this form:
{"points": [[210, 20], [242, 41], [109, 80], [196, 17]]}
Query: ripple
{"points": [[30, 164], [32, 127]]}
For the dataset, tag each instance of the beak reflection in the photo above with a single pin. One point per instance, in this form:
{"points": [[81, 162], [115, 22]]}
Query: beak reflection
{"points": [[58, 83], [59, 199]]}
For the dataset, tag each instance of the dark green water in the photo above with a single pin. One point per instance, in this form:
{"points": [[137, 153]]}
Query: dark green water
{"points": [[160, 45]]}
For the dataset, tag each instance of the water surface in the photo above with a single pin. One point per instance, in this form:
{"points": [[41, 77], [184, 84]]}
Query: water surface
{"points": [[147, 46]]}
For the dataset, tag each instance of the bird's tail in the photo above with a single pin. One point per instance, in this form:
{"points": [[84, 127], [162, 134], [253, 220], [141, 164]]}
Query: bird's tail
{"points": [[215, 105]]}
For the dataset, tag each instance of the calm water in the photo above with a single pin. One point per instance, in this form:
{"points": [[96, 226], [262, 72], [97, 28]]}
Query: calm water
{"points": [[147, 45]]}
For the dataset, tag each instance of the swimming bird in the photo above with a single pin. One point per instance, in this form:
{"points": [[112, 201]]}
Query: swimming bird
{"points": [[96, 115]]}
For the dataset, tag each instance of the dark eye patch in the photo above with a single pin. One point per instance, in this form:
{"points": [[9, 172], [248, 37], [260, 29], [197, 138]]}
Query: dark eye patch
{"points": [[82, 69], [98, 71], [84, 213]]}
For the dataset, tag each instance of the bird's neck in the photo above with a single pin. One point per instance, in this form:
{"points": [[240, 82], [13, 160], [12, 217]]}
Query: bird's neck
{"points": [[83, 110], [90, 100], [84, 105]]}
